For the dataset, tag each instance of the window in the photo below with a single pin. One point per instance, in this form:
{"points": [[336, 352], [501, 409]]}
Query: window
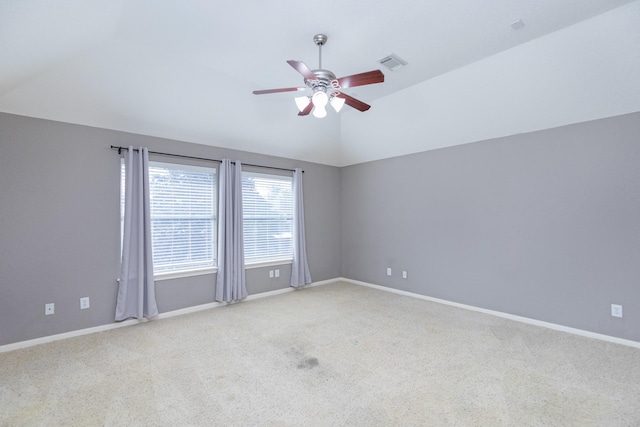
{"points": [[267, 202], [183, 216]]}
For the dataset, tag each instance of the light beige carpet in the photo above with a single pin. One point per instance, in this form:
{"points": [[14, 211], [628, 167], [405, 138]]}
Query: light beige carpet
{"points": [[332, 355]]}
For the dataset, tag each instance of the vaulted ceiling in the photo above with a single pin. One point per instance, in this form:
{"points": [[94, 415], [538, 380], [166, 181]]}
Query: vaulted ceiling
{"points": [[186, 69]]}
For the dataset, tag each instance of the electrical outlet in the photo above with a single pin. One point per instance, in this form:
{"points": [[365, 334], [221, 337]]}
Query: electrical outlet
{"points": [[388, 271], [84, 303], [616, 310], [404, 274], [49, 309], [277, 272], [270, 274]]}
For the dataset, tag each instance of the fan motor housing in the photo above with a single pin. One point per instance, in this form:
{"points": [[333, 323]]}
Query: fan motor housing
{"points": [[323, 80]]}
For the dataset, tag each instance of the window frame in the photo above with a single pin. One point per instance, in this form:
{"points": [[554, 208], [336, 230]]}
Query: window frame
{"points": [[276, 259], [189, 271]]}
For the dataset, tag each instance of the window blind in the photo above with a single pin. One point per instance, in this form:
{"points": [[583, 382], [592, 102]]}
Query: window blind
{"points": [[183, 219], [267, 202]]}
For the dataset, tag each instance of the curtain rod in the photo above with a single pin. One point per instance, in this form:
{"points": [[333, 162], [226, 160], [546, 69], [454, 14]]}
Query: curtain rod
{"points": [[114, 147]]}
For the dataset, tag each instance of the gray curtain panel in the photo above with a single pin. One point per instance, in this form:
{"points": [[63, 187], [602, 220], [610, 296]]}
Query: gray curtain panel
{"points": [[231, 284], [300, 275], [136, 292]]}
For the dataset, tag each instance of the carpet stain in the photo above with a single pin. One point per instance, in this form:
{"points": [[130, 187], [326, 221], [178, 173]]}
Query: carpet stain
{"points": [[309, 363]]}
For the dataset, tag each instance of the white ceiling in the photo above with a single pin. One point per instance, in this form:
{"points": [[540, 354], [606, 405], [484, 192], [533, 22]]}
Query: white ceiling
{"points": [[186, 69]]}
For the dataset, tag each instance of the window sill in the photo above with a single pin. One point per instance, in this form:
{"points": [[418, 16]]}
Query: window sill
{"points": [[267, 263], [181, 274]]}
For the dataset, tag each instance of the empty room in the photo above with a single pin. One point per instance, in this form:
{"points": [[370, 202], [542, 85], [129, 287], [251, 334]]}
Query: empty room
{"points": [[363, 213]]}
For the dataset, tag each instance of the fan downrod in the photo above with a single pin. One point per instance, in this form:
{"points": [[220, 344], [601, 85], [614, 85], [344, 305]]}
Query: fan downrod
{"points": [[320, 40]]}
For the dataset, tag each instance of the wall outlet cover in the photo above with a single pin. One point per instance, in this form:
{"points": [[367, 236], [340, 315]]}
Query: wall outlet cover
{"points": [[616, 310], [84, 303], [49, 308], [388, 271]]}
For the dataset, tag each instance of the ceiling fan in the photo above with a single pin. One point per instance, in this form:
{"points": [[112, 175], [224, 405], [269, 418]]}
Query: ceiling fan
{"points": [[325, 86]]}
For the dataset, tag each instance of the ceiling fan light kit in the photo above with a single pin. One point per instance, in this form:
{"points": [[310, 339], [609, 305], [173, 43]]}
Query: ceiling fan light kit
{"points": [[302, 102], [319, 100], [337, 103], [325, 87]]}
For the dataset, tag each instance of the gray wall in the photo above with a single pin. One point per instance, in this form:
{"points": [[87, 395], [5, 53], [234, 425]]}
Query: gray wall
{"points": [[544, 225], [60, 226]]}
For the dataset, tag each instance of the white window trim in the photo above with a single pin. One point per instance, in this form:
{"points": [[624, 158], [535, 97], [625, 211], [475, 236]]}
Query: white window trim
{"points": [[198, 271], [184, 273], [270, 263], [214, 270]]}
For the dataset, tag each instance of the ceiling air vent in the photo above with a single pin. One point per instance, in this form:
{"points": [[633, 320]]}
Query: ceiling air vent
{"points": [[393, 62]]}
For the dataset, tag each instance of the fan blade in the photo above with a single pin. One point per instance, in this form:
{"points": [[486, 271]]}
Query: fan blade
{"points": [[285, 89], [352, 102], [307, 110], [361, 79], [302, 68]]}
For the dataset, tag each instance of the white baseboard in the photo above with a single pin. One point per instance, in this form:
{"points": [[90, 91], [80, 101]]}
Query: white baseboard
{"points": [[101, 328], [527, 320], [182, 311]]}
